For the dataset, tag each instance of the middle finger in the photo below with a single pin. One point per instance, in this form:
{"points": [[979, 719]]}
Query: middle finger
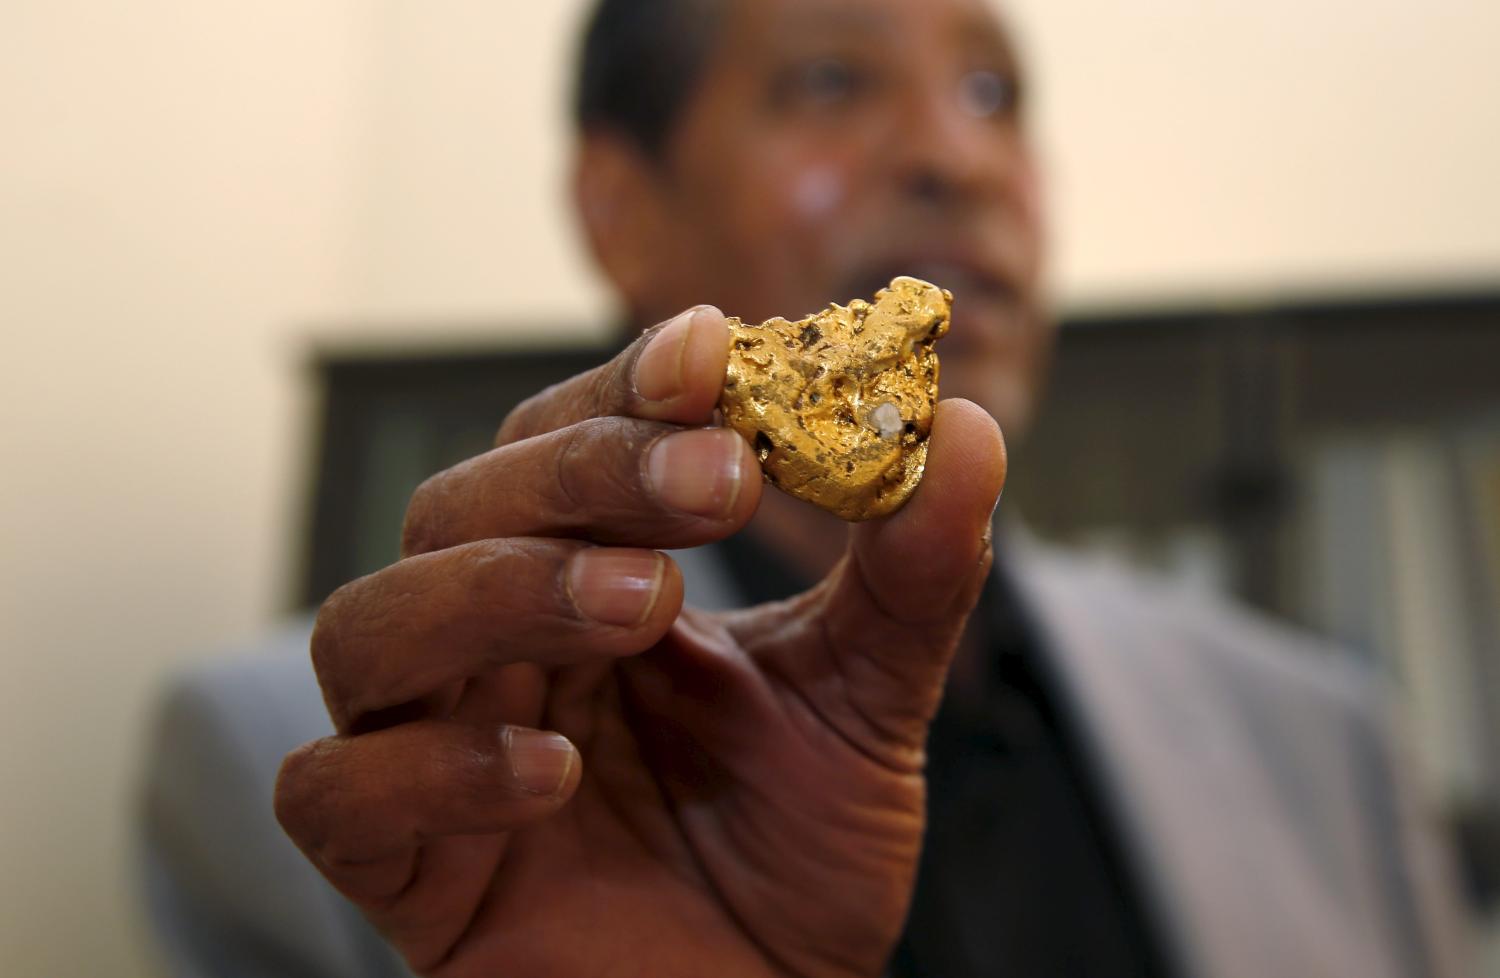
{"points": [[611, 480], [391, 638]]}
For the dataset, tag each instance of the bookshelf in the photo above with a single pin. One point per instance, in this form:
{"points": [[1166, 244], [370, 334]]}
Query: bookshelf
{"points": [[1334, 463]]}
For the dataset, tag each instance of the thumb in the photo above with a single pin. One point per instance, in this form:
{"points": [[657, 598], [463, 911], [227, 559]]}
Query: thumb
{"points": [[899, 602]]}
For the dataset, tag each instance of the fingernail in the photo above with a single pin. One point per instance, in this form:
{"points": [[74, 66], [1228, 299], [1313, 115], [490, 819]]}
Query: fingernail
{"points": [[697, 472], [615, 586], [540, 761], [658, 370]]}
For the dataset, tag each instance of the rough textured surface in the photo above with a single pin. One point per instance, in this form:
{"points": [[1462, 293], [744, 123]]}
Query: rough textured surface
{"points": [[838, 406]]}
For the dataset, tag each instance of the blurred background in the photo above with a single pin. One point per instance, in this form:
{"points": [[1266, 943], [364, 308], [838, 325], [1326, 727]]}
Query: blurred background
{"points": [[261, 266]]}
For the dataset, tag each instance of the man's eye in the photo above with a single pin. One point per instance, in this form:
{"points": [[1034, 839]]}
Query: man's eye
{"points": [[988, 94], [823, 83]]}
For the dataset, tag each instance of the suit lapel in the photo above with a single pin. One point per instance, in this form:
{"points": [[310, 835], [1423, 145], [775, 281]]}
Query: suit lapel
{"points": [[1229, 867]]}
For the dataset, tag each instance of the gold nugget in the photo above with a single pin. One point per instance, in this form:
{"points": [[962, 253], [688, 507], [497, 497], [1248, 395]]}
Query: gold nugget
{"points": [[838, 406]]}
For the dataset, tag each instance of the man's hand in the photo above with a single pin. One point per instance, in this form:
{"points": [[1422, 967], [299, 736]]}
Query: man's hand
{"points": [[545, 765]]}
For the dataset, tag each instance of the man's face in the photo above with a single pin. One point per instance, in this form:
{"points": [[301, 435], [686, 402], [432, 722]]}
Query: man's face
{"points": [[834, 144]]}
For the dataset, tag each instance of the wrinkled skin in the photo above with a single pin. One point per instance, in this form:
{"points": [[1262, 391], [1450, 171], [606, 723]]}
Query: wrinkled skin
{"points": [[746, 797], [737, 794]]}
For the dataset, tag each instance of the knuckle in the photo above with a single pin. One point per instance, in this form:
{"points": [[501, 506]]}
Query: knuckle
{"points": [[491, 570], [420, 532], [328, 628], [469, 767], [334, 643], [598, 467], [605, 390], [297, 793], [574, 464], [518, 424], [601, 391], [527, 578], [613, 386]]}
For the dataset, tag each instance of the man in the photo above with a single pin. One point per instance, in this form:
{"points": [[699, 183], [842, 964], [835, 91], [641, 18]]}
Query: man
{"points": [[543, 763]]}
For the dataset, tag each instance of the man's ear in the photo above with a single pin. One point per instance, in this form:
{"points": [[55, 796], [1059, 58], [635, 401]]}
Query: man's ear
{"points": [[619, 200]]}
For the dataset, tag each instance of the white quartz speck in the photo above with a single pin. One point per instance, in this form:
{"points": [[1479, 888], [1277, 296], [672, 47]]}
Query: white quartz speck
{"points": [[887, 420]]}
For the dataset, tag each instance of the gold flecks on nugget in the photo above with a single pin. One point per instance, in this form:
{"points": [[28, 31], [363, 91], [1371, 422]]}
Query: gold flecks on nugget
{"points": [[838, 406]]}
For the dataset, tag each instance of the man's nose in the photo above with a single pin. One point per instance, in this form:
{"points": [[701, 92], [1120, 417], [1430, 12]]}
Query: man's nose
{"points": [[944, 154]]}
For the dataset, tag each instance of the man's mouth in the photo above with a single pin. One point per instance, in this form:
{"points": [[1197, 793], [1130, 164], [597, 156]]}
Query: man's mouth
{"points": [[956, 275], [976, 290]]}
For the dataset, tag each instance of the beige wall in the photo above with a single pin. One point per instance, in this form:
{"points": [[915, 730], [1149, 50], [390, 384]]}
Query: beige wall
{"points": [[463, 168], [1256, 147], [174, 198], [192, 193]]}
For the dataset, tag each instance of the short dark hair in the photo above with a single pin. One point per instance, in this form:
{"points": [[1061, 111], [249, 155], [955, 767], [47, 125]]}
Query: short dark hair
{"points": [[639, 63]]}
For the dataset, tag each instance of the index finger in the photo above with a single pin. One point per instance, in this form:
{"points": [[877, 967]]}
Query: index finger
{"points": [[672, 372]]}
